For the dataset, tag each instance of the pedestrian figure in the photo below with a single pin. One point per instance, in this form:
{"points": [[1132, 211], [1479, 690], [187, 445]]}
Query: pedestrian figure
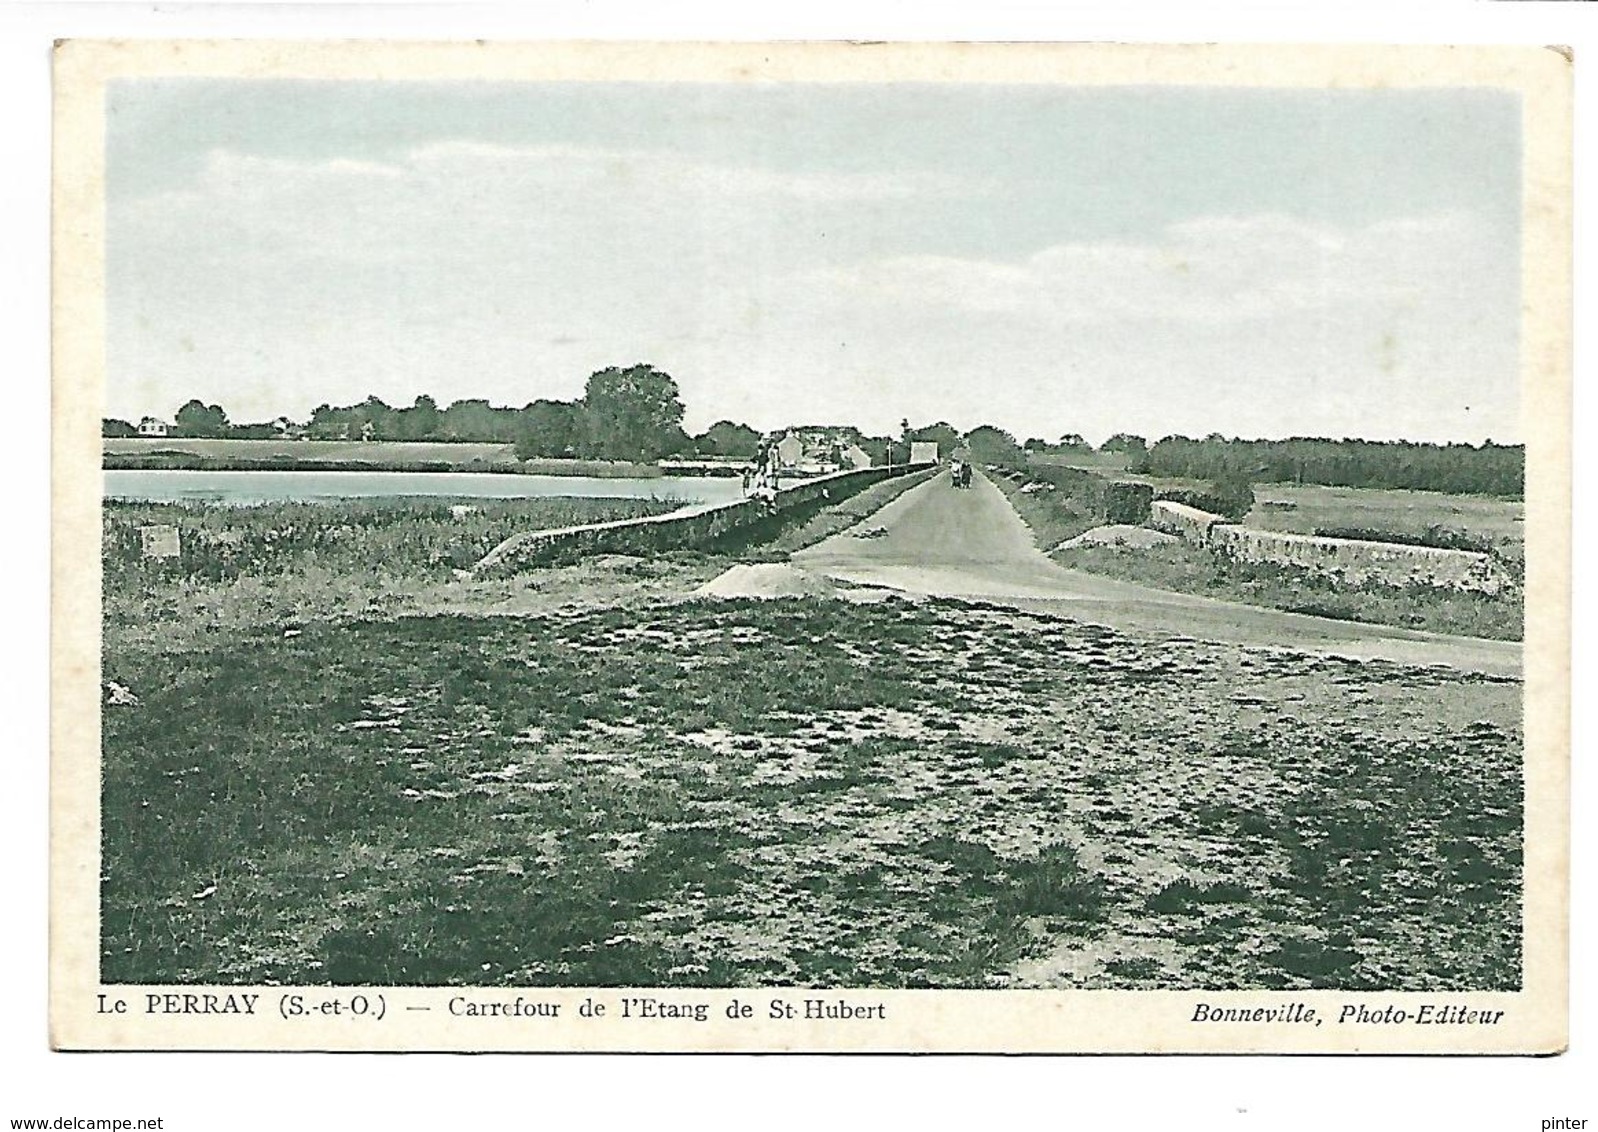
{"points": [[765, 456]]}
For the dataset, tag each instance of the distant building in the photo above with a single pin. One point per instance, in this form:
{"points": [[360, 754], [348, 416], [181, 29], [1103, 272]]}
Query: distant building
{"points": [[923, 451], [856, 457], [287, 429], [153, 426], [790, 451], [819, 449]]}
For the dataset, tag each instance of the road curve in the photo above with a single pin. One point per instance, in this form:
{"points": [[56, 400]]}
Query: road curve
{"points": [[938, 540]]}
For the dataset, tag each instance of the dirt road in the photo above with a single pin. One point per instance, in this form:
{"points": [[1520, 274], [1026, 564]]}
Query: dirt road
{"points": [[938, 540]]}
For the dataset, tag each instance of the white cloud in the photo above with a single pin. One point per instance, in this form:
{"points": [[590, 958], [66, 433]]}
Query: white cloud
{"points": [[1223, 270], [440, 176], [578, 166]]}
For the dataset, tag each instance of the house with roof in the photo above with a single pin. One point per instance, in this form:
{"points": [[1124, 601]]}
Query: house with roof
{"points": [[790, 451]]}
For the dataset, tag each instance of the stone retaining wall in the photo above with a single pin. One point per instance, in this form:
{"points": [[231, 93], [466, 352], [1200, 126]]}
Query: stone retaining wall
{"points": [[1180, 519], [1353, 562], [678, 530], [1359, 562]]}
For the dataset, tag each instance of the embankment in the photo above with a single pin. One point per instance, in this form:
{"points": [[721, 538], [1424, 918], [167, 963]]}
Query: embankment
{"points": [[697, 527]]}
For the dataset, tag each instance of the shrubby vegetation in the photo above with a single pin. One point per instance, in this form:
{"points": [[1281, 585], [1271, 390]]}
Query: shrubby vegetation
{"points": [[1435, 535], [1231, 496], [396, 536]]}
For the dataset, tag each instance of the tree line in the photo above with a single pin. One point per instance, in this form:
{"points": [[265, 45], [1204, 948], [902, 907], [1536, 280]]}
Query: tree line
{"points": [[631, 413], [1461, 469], [635, 413], [626, 413]]}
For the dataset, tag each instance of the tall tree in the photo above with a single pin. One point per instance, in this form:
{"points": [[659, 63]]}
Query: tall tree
{"points": [[375, 419], [944, 434], [729, 440], [1124, 442], [992, 445], [548, 428], [632, 414], [420, 421], [196, 418], [471, 419], [329, 423]]}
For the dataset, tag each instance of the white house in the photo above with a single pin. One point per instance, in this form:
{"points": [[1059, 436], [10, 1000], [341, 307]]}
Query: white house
{"points": [[153, 426], [790, 450], [856, 457]]}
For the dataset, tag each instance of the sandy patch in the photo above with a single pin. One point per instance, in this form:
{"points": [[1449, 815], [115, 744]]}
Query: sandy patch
{"points": [[1118, 534], [766, 580]]}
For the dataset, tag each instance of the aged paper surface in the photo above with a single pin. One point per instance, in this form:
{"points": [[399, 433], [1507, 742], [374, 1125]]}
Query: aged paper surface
{"points": [[305, 1008]]}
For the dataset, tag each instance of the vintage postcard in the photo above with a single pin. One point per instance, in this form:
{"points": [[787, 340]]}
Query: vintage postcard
{"points": [[811, 547]]}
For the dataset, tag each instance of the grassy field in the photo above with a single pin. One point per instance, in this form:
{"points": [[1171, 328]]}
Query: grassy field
{"points": [[1058, 515], [1105, 463], [803, 792], [403, 536], [1308, 509], [282, 564]]}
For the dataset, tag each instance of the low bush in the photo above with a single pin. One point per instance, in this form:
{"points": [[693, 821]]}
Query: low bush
{"points": [[1233, 499]]}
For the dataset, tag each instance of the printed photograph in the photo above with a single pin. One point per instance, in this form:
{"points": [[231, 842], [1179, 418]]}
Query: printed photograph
{"points": [[1004, 535]]}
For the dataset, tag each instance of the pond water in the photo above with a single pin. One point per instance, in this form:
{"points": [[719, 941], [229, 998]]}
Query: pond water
{"points": [[243, 488]]}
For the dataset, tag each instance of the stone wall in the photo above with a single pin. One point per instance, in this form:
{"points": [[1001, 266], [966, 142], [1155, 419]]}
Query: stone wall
{"points": [[1180, 519], [1359, 562], [1352, 562], [678, 530]]}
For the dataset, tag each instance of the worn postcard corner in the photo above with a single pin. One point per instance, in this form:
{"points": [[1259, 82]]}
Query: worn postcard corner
{"points": [[810, 547]]}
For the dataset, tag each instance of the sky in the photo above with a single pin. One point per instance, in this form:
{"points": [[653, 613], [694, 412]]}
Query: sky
{"points": [[1048, 259]]}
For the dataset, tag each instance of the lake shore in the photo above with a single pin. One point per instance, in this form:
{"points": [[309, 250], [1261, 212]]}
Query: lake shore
{"points": [[212, 455]]}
